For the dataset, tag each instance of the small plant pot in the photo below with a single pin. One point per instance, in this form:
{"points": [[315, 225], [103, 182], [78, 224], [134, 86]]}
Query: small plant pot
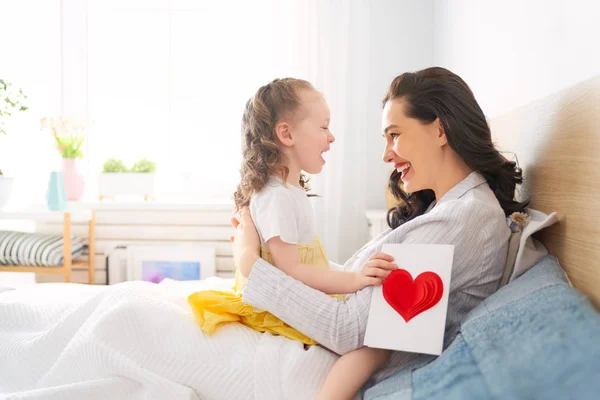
{"points": [[126, 184]]}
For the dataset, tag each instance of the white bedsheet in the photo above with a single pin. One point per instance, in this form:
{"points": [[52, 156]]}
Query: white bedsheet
{"points": [[138, 340]]}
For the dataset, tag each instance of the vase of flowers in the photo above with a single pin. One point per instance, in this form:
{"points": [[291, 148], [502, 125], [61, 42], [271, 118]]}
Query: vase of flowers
{"points": [[11, 101], [74, 182], [69, 135]]}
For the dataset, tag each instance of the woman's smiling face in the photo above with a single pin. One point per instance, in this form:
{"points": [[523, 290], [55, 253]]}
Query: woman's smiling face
{"points": [[413, 147]]}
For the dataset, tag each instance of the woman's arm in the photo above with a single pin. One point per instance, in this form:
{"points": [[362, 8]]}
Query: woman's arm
{"points": [[287, 259], [338, 325]]}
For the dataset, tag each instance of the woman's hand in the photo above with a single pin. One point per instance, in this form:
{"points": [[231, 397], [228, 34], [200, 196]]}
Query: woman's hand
{"points": [[375, 270], [246, 243]]}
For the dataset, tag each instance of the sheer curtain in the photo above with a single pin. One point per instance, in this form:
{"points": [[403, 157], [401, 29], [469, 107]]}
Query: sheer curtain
{"points": [[333, 49]]}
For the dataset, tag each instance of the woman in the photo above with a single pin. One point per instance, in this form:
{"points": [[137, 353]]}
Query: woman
{"points": [[456, 189]]}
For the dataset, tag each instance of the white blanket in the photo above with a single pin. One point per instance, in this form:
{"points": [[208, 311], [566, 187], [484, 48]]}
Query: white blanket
{"points": [[138, 340]]}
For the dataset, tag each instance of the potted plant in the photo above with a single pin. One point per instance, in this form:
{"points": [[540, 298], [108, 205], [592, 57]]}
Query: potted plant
{"points": [[116, 179], [11, 101], [69, 135]]}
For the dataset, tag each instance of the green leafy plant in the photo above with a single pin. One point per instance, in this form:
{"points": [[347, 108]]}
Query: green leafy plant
{"points": [[115, 166], [68, 134], [11, 101], [69, 146], [144, 166], [112, 165]]}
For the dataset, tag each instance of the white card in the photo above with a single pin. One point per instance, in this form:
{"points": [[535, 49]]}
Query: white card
{"points": [[424, 332]]}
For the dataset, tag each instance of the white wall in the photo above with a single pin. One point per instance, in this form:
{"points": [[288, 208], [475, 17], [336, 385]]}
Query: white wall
{"points": [[512, 52], [401, 40]]}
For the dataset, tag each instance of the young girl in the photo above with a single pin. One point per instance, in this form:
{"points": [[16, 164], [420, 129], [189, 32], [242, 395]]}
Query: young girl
{"points": [[285, 130]]}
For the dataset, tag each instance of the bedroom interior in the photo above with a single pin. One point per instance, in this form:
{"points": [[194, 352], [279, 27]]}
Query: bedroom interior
{"points": [[83, 327]]}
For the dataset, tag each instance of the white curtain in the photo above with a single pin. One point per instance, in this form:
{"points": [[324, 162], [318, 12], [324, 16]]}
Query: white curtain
{"points": [[332, 52]]}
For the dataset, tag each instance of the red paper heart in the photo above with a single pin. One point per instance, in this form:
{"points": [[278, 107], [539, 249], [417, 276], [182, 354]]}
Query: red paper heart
{"points": [[410, 298]]}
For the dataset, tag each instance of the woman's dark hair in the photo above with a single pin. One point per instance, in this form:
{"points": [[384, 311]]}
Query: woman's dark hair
{"points": [[438, 93]]}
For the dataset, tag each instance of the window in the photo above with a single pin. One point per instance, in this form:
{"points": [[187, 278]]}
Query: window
{"points": [[31, 60], [168, 80]]}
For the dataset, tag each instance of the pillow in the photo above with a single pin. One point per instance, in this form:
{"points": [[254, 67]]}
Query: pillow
{"points": [[36, 249], [523, 250]]}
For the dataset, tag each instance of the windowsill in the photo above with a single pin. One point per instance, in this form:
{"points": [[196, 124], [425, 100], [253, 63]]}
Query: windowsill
{"points": [[157, 205], [137, 205]]}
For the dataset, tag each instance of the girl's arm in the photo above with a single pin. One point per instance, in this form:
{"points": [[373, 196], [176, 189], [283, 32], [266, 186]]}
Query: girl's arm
{"points": [[286, 258]]}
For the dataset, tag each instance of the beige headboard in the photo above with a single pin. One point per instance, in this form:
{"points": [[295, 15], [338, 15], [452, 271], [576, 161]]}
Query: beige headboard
{"points": [[557, 143]]}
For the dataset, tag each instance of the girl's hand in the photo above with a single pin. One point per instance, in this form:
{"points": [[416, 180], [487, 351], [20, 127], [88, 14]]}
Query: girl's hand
{"points": [[246, 243], [375, 270]]}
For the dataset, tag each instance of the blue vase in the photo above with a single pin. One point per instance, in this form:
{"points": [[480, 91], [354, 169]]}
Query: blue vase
{"points": [[56, 196]]}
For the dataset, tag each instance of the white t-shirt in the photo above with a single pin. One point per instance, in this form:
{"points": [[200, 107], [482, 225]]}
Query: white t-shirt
{"points": [[283, 211]]}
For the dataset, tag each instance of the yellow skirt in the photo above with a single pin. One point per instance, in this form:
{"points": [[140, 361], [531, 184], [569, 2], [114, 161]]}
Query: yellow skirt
{"points": [[214, 307]]}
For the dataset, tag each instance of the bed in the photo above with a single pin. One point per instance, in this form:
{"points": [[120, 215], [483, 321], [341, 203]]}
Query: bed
{"points": [[159, 352]]}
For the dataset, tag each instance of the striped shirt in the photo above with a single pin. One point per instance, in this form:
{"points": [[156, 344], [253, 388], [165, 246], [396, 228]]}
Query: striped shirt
{"points": [[468, 217]]}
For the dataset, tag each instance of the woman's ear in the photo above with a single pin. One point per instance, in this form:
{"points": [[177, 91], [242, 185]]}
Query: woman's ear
{"points": [[442, 139], [284, 134]]}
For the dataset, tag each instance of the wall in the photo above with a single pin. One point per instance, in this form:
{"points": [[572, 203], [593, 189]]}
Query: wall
{"points": [[513, 52], [401, 40]]}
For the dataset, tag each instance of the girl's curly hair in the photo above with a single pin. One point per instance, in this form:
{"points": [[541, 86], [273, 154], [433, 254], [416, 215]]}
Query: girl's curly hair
{"points": [[261, 156]]}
